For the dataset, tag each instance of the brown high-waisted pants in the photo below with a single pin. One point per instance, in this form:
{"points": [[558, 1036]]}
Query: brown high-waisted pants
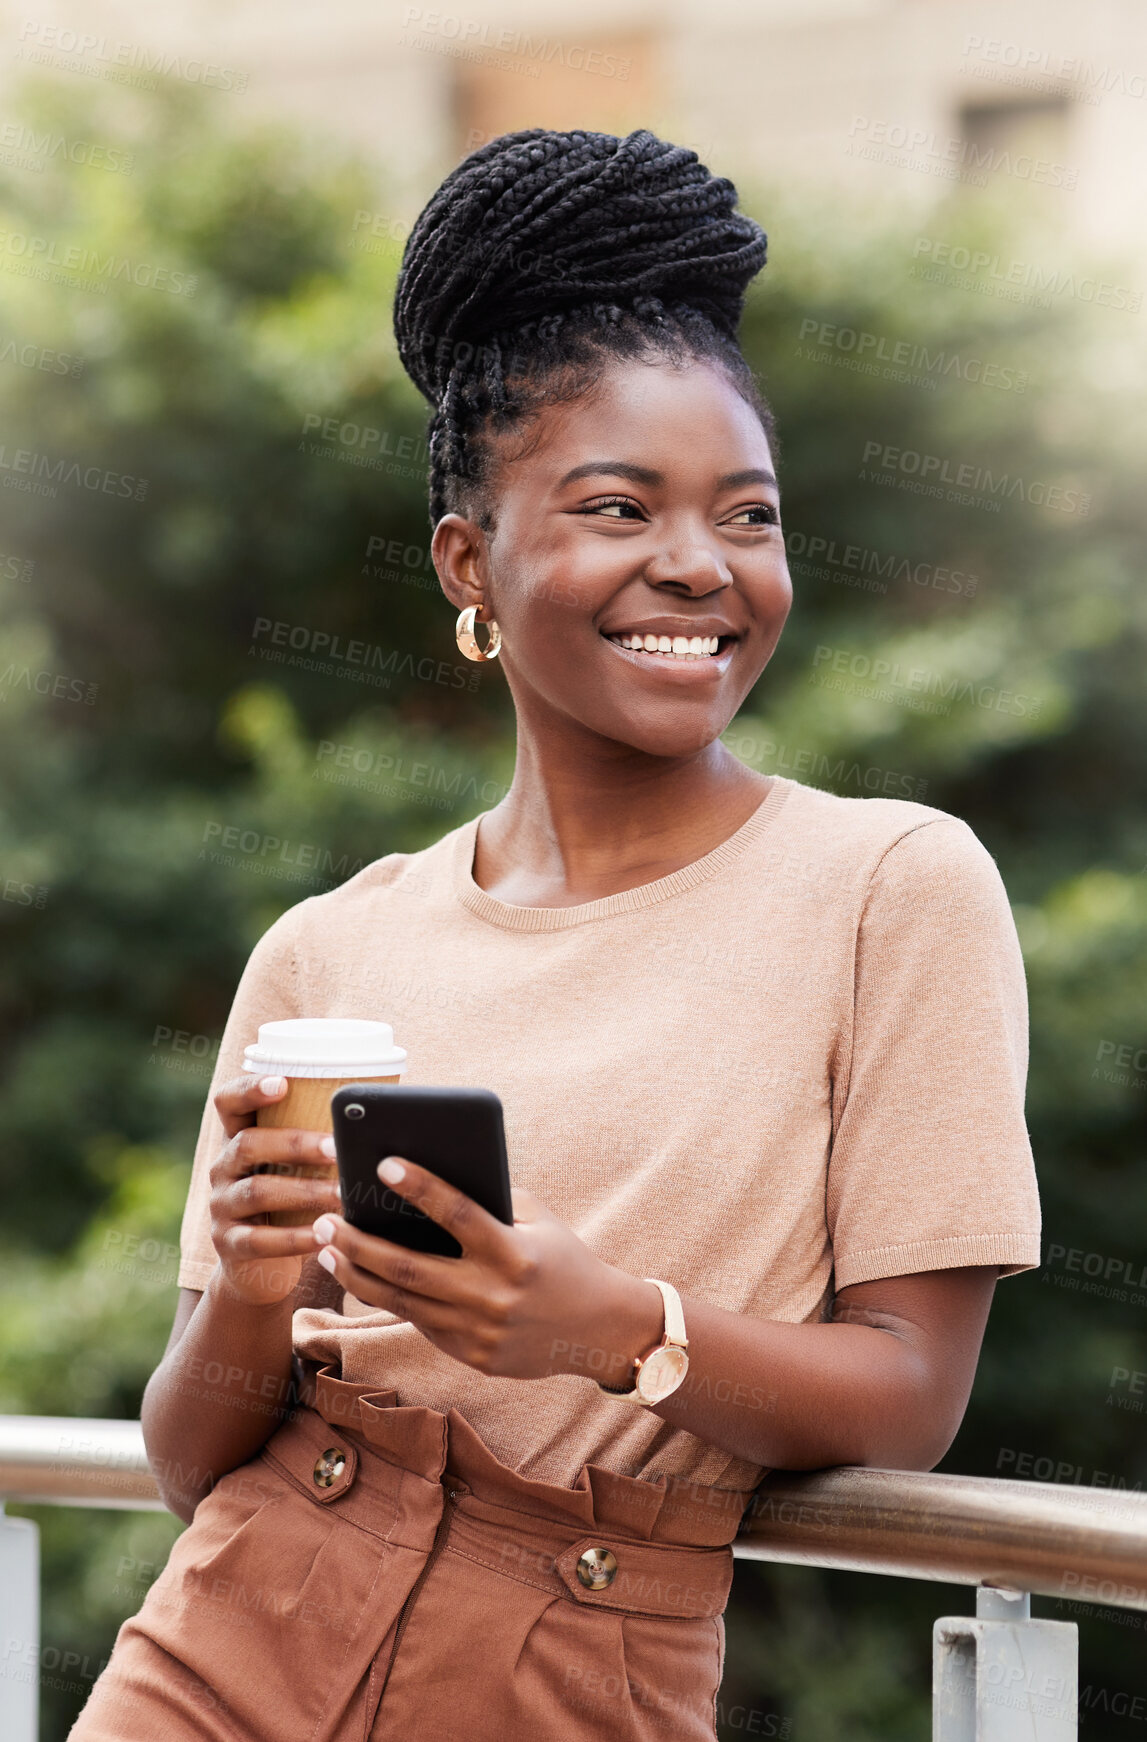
{"points": [[375, 1572]]}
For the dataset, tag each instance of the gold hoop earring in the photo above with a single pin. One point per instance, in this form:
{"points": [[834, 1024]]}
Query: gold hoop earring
{"points": [[467, 641]]}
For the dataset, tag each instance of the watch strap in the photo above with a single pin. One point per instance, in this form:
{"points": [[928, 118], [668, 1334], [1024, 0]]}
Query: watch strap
{"points": [[674, 1313], [674, 1332]]}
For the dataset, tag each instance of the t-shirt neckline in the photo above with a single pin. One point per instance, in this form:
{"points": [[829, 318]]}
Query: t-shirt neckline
{"points": [[513, 918]]}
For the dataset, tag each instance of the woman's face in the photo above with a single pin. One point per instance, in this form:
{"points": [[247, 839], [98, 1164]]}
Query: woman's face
{"points": [[647, 510]]}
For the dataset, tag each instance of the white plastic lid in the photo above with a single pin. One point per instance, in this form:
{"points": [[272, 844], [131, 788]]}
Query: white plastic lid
{"points": [[319, 1046]]}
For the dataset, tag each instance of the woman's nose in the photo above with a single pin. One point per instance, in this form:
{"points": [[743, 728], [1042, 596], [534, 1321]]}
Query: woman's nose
{"points": [[690, 564]]}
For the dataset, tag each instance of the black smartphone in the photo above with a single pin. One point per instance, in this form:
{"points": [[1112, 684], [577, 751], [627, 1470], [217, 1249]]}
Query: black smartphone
{"points": [[456, 1133]]}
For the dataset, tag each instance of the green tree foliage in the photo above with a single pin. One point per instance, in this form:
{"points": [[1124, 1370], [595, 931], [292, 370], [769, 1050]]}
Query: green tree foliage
{"points": [[196, 520], [195, 356]]}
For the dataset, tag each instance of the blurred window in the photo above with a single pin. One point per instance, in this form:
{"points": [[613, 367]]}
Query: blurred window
{"points": [[535, 77], [1038, 129]]}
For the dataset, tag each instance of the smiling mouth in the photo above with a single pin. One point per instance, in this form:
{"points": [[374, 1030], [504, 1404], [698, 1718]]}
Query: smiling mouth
{"points": [[675, 647]]}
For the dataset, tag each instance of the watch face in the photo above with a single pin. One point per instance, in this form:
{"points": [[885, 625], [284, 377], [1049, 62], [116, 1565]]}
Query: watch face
{"points": [[661, 1373]]}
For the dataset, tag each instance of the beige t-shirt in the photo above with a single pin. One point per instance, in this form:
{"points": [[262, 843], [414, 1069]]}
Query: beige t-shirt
{"points": [[796, 1064]]}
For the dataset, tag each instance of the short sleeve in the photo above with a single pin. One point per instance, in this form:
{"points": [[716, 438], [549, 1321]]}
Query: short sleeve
{"points": [[931, 1166], [267, 992]]}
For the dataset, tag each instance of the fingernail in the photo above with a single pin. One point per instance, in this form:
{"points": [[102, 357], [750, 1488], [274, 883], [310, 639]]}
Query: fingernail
{"points": [[327, 1259], [273, 1085], [328, 1147], [391, 1171], [324, 1230]]}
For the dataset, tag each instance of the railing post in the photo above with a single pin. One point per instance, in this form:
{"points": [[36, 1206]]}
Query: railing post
{"points": [[1001, 1676], [19, 1628]]}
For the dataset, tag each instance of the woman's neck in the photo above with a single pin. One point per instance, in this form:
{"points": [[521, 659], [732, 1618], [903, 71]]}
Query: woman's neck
{"points": [[567, 835]]}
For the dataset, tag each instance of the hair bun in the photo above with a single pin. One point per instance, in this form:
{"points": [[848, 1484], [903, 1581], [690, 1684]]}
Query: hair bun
{"points": [[537, 223]]}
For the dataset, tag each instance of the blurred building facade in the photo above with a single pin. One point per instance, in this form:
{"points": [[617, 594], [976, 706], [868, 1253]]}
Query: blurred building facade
{"points": [[888, 100]]}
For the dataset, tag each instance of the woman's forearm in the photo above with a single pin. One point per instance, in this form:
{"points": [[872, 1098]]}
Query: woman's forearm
{"points": [[803, 1397], [218, 1394], [884, 1383]]}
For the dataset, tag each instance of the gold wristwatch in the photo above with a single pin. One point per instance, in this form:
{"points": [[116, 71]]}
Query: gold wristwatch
{"points": [[657, 1374]]}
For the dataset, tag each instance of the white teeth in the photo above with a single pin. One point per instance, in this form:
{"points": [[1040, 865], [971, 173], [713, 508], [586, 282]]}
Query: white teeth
{"points": [[677, 646]]}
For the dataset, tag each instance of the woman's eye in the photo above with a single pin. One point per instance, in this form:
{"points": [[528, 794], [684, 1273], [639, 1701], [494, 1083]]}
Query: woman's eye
{"points": [[609, 503], [763, 513]]}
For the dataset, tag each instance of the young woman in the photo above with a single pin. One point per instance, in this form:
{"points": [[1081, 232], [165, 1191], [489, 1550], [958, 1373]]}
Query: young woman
{"points": [[761, 1049]]}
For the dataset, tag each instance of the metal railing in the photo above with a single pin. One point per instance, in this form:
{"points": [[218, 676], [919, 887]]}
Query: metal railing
{"points": [[996, 1676], [1039, 1537]]}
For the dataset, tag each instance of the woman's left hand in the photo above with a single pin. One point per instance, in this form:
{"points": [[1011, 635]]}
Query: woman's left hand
{"points": [[521, 1302]]}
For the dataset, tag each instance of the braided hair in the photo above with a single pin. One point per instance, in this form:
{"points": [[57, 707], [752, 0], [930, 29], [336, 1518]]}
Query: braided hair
{"points": [[544, 255]]}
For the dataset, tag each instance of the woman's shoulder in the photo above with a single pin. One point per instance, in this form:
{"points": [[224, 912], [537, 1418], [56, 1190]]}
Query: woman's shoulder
{"points": [[426, 875], [890, 837]]}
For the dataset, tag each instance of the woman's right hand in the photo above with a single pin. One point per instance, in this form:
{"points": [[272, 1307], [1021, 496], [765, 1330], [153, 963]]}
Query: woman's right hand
{"points": [[262, 1264]]}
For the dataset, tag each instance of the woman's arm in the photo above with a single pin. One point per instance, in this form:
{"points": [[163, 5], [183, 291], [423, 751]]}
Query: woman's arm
{"points": [[885, 1382], [224, 1383], [218, 1393]]}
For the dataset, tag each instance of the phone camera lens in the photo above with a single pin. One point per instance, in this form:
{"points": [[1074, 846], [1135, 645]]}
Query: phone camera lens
{"points": [[355, 1110]]}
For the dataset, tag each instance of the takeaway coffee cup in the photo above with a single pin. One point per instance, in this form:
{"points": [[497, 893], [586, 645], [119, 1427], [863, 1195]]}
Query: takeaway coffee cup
{"points": [[317, 1055]]}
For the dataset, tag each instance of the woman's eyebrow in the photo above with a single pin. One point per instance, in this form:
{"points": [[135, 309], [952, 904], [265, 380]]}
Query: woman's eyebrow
{"points": [[643, 474], [613, 469], [754, 475]]}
